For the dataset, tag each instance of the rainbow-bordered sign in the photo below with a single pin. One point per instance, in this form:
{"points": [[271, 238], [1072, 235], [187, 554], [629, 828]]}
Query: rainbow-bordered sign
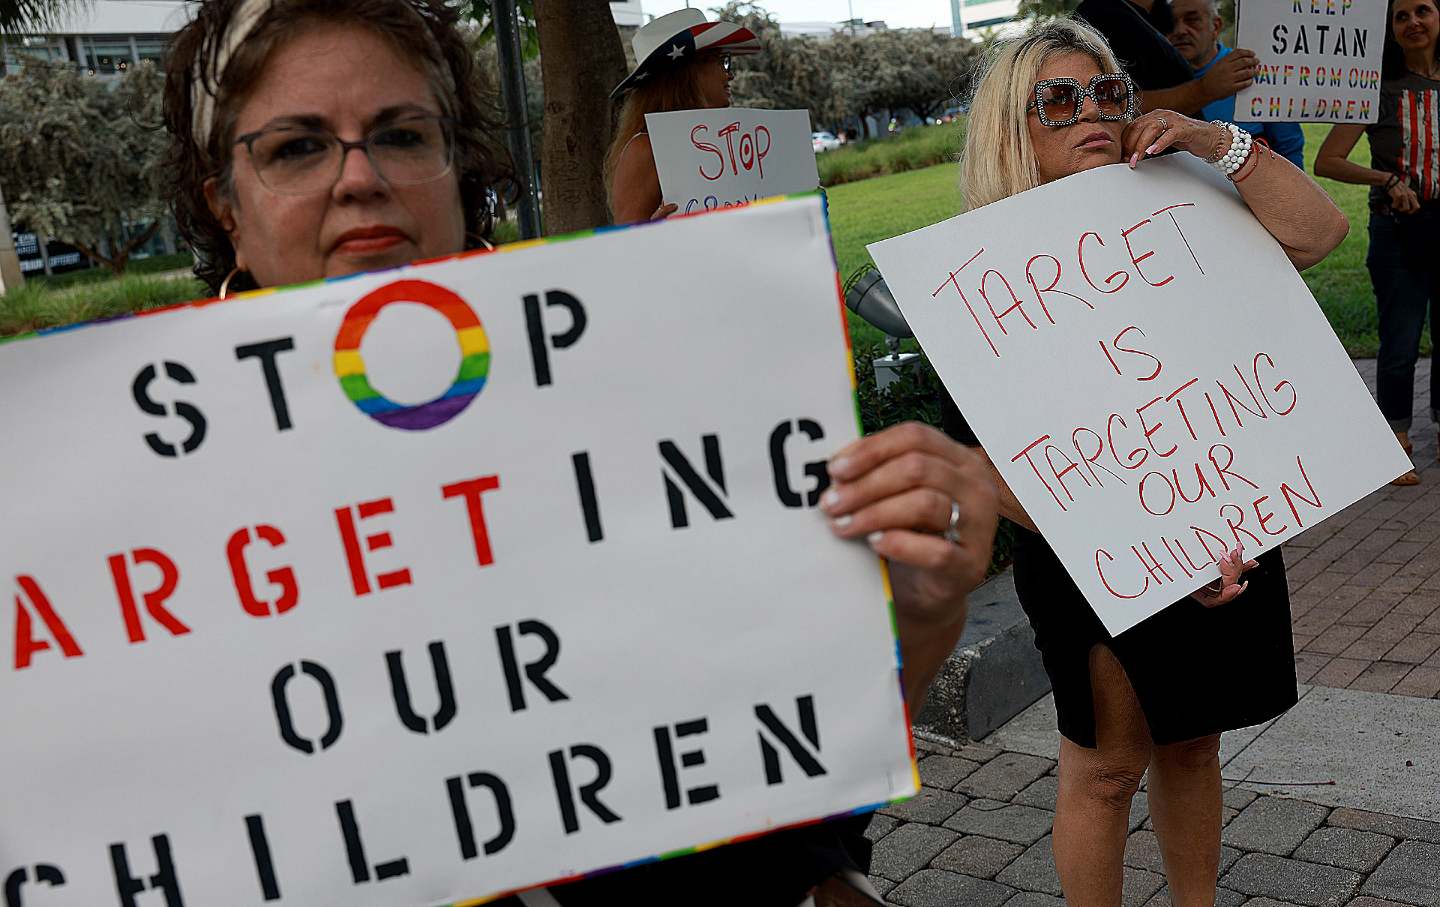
{"points": [[474, 356]]}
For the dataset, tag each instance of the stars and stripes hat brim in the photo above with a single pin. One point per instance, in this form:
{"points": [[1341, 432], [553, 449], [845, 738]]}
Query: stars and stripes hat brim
{"points": [[677, 38]]}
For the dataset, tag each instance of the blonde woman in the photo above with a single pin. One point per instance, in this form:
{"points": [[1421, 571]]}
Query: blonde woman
{"points": [[1048, 105], [684, 64]]}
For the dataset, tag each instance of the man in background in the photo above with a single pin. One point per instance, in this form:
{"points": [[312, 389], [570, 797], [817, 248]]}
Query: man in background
{"points": [[1136, 30], [1196, 35]]}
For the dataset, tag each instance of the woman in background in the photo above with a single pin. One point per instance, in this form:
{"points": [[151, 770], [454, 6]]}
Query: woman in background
{"points": [[1155, 699], [1404, 181], [684, 64]]}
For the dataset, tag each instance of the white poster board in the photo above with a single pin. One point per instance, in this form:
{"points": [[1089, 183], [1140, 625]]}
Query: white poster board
{"points": [[1150, 375], [731, 156], [277, 629], [1319, 60]]}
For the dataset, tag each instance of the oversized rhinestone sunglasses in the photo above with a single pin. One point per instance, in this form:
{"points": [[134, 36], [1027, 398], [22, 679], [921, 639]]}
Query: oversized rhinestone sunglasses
{"points": [[1058, 101]]}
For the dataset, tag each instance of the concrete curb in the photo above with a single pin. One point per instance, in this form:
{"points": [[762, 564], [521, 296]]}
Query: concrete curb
{"points": [[994, 673]]}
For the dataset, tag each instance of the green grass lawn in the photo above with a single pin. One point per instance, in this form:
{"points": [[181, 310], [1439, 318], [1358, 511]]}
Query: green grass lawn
{"points": [[875, 209]]}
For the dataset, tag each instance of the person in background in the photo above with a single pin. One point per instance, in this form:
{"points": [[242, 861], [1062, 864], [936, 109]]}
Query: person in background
{"points": [[684, 64], [1404, 181], [1152, 702], [1196, 35], [1136, 30]]}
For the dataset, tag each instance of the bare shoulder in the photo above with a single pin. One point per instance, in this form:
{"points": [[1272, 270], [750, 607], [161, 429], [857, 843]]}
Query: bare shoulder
{"points": [[638, 152]]}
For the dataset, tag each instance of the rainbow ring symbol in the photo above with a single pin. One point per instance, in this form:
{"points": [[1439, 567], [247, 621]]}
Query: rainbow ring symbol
{"points": [[474, 356]]}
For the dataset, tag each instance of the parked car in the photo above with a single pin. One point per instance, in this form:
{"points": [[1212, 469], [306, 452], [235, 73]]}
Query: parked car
{"points": [[824, 141]]}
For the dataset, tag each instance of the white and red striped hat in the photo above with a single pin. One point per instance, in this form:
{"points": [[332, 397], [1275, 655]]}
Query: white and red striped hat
{"points": [[676, 38]]}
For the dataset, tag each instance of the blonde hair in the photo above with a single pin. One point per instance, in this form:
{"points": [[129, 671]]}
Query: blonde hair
{"points": [[677, 89], [999, 159]]}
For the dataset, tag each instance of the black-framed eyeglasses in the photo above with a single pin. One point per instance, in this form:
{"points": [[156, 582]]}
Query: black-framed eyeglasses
{"points": [[308, 160], [1059, 101]]}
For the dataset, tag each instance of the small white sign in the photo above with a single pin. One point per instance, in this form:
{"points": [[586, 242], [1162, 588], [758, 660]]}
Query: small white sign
{"points": [[731, 156], [1319, 60], [291, 616], [1149, 373]]}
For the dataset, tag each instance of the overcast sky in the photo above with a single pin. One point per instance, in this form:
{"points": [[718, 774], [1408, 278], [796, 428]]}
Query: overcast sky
{"points": [[898, 13]]}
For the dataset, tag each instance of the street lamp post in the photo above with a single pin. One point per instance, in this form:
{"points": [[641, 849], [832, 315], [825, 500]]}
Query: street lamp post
{"points": [[512, 93]]}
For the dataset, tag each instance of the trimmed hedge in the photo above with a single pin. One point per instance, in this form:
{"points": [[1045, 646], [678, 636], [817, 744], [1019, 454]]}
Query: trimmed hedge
{"points": [[911, 149]]}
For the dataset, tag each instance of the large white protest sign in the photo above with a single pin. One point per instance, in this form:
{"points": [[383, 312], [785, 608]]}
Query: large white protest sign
{"points": [[289, 621], [1319, 60], [731, 156], [1148, 372]]}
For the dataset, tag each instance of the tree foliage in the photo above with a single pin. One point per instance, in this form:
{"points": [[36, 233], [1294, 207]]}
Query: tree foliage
{"points": [[845, 77], [482, 13], [81, 159]]}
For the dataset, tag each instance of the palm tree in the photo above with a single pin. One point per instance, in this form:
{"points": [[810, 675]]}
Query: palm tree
{"points": [[21, 16]]}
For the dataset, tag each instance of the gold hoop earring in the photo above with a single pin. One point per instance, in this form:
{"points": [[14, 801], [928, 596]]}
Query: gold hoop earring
{"points": [[476, 237], [225, 284]]}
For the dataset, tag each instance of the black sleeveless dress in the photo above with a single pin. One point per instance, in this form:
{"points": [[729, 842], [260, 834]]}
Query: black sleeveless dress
{"points": [[1197, 671]]}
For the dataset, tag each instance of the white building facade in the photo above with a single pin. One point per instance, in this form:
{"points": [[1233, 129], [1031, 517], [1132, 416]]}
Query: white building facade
{"points": [[103, 37]]}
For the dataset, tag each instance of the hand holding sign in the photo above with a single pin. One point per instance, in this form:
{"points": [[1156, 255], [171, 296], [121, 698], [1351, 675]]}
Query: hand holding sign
{"points": [[1234, 73]]}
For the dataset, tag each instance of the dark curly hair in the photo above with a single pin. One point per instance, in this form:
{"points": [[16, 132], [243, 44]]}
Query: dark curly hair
{"points": [[422, 30]]}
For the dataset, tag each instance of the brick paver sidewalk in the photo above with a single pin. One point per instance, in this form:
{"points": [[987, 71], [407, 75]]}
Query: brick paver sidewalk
{"points": [[1365, 584], [979, 836]]}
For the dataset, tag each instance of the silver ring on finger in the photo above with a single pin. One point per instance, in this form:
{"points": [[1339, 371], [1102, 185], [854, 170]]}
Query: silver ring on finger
{"points": [[952, 532], [1162, 123]]}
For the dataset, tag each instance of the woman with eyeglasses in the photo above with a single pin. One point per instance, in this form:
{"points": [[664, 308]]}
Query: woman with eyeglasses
{"points": [[318, 138], [1048, 105], [684, 64]]}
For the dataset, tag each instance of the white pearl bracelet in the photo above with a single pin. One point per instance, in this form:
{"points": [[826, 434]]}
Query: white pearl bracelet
{"points": [[1234, 158]]}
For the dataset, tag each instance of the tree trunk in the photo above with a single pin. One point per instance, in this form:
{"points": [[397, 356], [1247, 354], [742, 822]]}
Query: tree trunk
{"points": [[581, 59]]}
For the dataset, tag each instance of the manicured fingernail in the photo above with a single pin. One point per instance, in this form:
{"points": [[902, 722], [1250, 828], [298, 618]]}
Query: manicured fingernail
{"points": [[839, 466], [829, 500], [874, 538], [1150, 150], [842, 522], [1134, 159]]}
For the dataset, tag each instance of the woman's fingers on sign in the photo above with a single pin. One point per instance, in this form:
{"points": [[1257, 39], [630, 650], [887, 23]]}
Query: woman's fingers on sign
{"points": [[1230, 585], [920, 500]]}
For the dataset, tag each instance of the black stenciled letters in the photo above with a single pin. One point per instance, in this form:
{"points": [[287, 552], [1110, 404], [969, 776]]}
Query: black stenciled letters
{"points": [[266, 352], [781, 466], [465, 828], [187, 411], [264, 863], [805, 757], [279, 693], [711, 497], [534, 670], [45, 874], [535, 324], [589, 504], [670, 772], [355, 850], [401, 690], [164, 879], [589, 793]]}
